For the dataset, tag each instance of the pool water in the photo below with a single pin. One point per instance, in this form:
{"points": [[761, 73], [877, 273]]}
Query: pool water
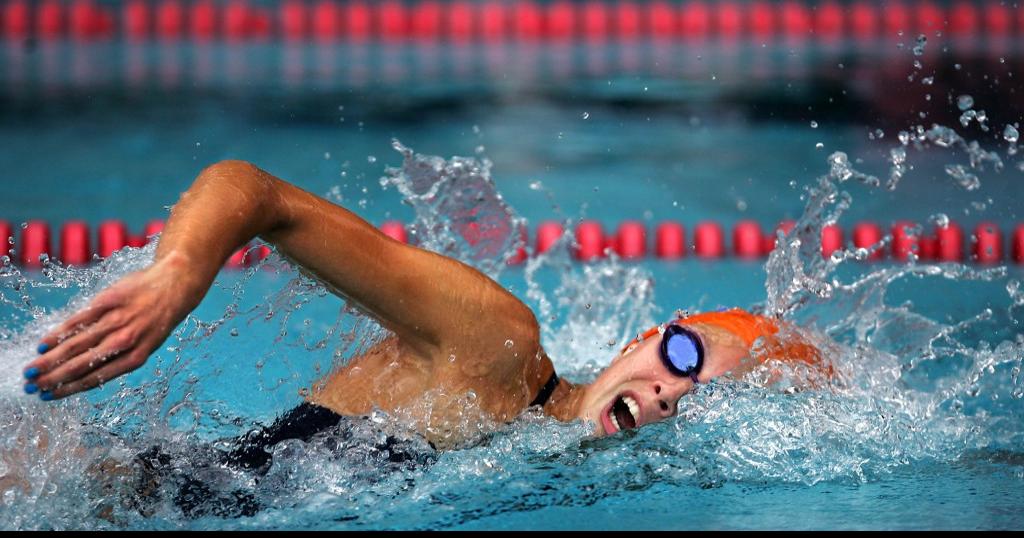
{"points": [[922, 430]]}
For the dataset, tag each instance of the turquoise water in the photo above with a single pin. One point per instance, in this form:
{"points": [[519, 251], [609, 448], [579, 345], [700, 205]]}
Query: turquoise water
{"points": [[923, 431]]}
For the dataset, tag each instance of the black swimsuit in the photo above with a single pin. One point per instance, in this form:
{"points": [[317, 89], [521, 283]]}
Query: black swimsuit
{"points": [[252, 452]]}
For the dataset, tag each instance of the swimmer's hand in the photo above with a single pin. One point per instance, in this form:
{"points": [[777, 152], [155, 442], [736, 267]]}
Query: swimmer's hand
{"points": [[115, 333]]}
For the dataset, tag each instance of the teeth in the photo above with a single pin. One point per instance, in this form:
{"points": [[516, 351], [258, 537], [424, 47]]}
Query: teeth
{"points": [[634, 409], [611, 415]]}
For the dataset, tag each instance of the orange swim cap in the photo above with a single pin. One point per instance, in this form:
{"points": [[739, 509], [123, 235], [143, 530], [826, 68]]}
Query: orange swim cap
{"points": [[748, 328]]}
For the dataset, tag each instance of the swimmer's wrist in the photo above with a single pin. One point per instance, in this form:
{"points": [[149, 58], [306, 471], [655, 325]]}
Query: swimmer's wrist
{"points": [[176, 263], [183, 271]]}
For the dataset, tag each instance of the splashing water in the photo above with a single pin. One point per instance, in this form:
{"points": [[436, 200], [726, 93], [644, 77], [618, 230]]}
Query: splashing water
{"points": [[907, 388], [889, 404], [459, 212]]}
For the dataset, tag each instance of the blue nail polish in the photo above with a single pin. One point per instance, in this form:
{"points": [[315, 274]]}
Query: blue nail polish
{"points": [[43, 348], [30, 388], [32, 373], [46, 396]]}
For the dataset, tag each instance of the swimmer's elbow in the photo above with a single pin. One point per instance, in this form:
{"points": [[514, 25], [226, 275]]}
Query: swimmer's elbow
{"points": [[236, 172], [241, 182]]}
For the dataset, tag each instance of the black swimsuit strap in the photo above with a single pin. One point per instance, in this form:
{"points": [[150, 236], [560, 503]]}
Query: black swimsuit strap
{"points": [[545, 391]]}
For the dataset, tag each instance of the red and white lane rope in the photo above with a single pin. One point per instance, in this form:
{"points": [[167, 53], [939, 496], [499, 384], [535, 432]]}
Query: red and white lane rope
{"points": [[630, 241], [488, 20]]}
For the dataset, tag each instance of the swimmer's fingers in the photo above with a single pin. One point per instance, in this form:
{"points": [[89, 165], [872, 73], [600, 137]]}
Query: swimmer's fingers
{"points": [[117, 366], [88, 360], [77, 344], [99, 306]]}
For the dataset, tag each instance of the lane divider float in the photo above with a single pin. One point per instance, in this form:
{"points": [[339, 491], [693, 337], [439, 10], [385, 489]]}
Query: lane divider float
{"points": [[945, 243], [489, 20]]}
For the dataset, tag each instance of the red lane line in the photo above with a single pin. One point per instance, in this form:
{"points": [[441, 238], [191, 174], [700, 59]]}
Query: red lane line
{"points": [[489, 20]]}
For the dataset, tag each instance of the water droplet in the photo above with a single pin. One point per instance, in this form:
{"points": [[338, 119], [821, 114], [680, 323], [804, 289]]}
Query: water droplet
{"points": [[234, 332], [509, 344], [371, 159], [819, 145], [966, 179], [536, 185], [919, 46], [957, 66], [327, 155], [928, 81], [1010, 134], [965, 118], [965, 102], [586, 115], [451, 358], [814, 124]]}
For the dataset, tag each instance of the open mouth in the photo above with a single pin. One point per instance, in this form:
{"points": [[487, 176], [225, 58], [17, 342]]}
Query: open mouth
{"points": [[624, 413]]}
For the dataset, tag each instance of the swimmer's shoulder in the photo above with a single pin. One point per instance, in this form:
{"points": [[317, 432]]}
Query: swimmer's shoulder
{"points": [[509, 364]]}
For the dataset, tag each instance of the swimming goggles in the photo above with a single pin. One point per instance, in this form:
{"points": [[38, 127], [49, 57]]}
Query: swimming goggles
{"points": [[681, 350]]}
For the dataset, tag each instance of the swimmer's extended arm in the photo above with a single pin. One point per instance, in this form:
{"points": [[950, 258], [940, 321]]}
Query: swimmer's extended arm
{"points": [[436, 305]]}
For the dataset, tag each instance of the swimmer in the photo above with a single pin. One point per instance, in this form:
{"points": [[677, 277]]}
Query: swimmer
{"points": [[435, 307]]}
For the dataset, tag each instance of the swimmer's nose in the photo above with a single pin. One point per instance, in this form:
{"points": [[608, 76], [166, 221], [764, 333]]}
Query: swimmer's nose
{"points": [[666, 409], [666, 400]]}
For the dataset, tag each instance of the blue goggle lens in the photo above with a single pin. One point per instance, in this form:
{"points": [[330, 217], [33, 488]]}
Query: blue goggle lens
{"points": [[682, 351]]}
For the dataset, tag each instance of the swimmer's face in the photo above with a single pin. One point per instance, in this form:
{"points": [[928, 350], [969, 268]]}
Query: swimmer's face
{"points": [[637, 388]]}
